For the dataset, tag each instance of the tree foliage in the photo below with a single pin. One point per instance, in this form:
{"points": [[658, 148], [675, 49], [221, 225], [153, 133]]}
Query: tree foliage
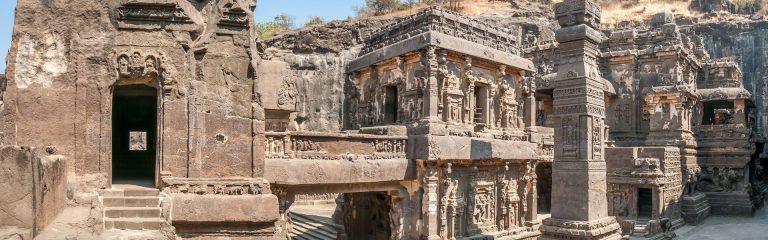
{"points": [[314, 20], [281, 23], [379, 7]]}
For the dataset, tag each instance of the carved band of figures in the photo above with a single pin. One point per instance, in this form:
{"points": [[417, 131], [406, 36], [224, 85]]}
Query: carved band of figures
{"points": [[575, 109], [389, 146], [154, 12], [316, 196], [136, 65], [235, 18], [722, 179], [579, 166], [216, 187]]}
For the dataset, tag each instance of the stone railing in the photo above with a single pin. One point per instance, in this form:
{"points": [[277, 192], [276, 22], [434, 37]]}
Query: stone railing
{"points": [[333, 146], [443, 21]]}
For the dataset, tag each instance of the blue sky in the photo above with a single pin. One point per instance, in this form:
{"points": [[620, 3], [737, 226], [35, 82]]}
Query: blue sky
{"points": [[266, 10], [7, 8]]}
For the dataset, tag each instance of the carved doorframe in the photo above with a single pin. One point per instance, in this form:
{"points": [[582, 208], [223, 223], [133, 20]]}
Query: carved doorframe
{"points": [[135, 67]]}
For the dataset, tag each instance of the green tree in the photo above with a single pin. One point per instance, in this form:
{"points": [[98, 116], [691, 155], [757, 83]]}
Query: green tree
{"points": [[281, 23], [314, 20], [382, 6]]}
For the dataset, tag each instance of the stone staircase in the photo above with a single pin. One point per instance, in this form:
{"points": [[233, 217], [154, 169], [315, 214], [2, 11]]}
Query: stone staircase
{"points": [[309, 227], [132, 208], [641, 228]]}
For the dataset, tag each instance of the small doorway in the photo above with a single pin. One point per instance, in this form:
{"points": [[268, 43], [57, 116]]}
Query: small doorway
{"points": [[644, 203], [481, 97], [134, 131], [390, 104]]}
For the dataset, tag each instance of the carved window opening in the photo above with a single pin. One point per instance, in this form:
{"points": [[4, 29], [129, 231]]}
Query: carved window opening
{"points": [[390, 104], [481, 104], [716, 112], [644, 203], [137, 141]]}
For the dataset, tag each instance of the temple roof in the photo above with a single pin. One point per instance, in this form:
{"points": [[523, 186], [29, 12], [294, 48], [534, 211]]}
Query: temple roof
{"points": [[444, 29]]}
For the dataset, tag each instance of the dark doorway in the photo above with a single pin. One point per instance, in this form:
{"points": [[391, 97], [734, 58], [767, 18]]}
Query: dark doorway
{"points": [[134, 127], [390, 104], [544, 187], [481, 97], [366, 215], [644, 203]]}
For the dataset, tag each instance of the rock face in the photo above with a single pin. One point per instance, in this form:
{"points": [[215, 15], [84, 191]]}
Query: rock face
{"points": [[133, 89], [34, 190], [318, 58], [745, 42]]}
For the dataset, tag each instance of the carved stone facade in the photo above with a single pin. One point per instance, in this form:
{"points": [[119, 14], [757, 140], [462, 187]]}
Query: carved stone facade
{"points": [[450, 128]]}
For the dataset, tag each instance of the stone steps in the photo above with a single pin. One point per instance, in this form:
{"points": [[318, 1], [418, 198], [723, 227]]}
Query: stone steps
{"points": [[306, 227], [640, 229], [132, 208], [132, 212], [131, 201], [133, 223]]}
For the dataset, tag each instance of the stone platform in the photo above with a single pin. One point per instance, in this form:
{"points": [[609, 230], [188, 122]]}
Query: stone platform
{"points": [[728, 227], [730, 203], [695, 208]]}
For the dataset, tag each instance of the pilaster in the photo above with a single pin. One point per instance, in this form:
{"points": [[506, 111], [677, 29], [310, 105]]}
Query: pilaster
{"points": [[579, 204]]}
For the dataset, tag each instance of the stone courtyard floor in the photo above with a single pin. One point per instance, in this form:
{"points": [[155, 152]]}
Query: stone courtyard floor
{"points": [[725, 227]]}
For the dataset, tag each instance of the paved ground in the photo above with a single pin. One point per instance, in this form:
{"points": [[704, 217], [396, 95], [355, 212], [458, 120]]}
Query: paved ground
{"points": [[722, 227]]}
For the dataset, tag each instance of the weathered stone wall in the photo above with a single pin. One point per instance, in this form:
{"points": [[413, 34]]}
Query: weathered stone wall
{"points": [[318, 57], [67, 58], [747, 42], [34, 189]]}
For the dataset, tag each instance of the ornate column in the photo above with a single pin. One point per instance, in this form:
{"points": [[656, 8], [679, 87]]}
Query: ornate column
{"points": [[579, 203], [429, 60], [430, 201], [530, 102]]}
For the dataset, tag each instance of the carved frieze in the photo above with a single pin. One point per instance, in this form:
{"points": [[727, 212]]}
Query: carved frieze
{"points": [[137, 65], [152, 12], [234, 17], [203, 186]]}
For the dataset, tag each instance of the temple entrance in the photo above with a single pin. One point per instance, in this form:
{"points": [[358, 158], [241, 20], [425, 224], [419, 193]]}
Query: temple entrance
{"points": [[134, 126], [365, 215], [644, 203]]}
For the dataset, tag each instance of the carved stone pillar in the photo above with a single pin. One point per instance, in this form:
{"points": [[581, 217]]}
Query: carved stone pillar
{"points": [[429, 60], [430, 201], [579, 203], [739, 115], [530, 103]]}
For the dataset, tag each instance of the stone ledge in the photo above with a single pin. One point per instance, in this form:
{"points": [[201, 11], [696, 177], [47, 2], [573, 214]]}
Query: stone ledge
{"points": [[605, 228], [191, 208]]}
